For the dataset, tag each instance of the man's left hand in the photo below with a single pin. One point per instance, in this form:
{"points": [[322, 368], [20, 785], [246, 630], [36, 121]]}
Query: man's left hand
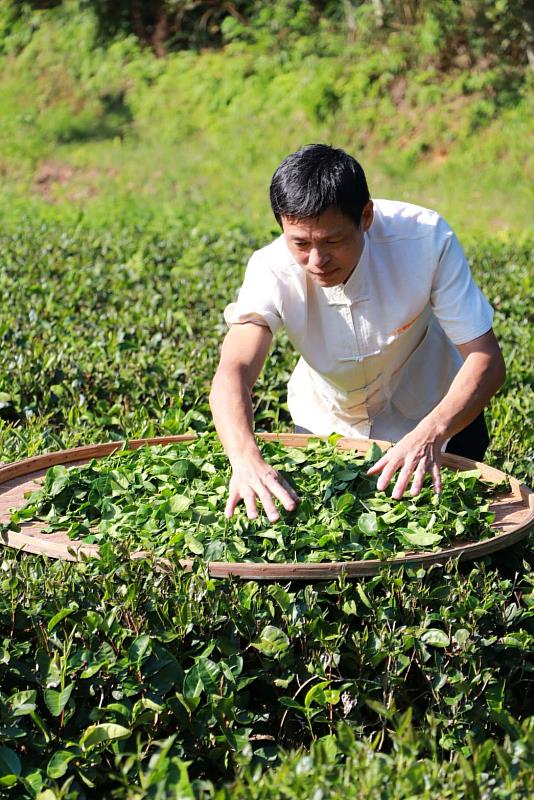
{"points": [[416, 454], [419, 452]]}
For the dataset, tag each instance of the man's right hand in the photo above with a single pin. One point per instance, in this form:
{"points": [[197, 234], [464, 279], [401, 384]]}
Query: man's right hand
{"points": [[254, 479], [243, 354]]}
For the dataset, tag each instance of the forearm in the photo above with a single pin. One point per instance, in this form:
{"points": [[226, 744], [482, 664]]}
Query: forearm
{"points": [[243, 355], [231, 407], [252, 478], [419, 452], [477, 381]]}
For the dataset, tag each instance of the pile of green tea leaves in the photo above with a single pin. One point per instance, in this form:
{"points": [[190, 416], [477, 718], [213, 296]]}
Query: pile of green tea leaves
{"points": [[171, 498]]}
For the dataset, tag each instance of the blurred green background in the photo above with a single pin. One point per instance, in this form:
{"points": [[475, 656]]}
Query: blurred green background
{"points": [[172, 107]]}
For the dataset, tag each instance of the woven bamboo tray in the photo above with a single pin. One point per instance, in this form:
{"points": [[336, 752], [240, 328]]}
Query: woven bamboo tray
{"points": [[514, 516]]}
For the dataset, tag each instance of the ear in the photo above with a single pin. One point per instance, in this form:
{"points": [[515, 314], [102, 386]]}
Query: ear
{"points": [[367, 216]]}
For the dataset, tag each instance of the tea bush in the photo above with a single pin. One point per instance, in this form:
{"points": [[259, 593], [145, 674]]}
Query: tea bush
{"points": [[120, 680], [105, 665], [103, 327]]}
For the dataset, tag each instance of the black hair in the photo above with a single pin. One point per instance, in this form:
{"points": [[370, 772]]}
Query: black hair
{"points": [[315, 178]]}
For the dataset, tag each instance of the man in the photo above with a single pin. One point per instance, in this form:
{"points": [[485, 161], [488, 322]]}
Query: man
{"points": [[395, 338]]}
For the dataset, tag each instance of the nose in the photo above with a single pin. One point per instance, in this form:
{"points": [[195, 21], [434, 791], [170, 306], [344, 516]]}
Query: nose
{"points": [[317, 258]]}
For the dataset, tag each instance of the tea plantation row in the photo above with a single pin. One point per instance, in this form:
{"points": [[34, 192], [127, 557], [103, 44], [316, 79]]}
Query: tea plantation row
{"points": [[115, 332], [111, 670], [118, 680]]}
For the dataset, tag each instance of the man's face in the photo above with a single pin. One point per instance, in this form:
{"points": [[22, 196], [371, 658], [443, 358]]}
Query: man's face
{"points": [[329, 246]]}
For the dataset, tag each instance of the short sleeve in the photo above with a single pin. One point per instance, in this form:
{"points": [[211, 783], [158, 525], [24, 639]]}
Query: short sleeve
{"points": [[461, 308], [259, 299]]}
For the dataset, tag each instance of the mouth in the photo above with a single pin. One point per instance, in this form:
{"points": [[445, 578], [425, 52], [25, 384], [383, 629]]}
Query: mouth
{"points": [[326, 277]]}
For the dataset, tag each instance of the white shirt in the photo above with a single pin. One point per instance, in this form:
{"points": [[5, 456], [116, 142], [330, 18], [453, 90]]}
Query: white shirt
{"points": [[377, 353]]}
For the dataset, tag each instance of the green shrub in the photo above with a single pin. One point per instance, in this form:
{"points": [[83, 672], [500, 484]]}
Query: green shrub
{"points": [[104, 664], [114, 331]]}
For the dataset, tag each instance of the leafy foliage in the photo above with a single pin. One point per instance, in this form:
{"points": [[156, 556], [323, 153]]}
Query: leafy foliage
{"points": [[99, 340], [475, 28], [102, 127], [171, 499], [343, 764], [111, 668]]}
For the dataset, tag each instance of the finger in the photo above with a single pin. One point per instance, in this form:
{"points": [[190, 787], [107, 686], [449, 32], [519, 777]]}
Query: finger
{"points": [[402, 481], [419, 478], [386, 476], [284, 493], [268, 504], [233, 499], [292, 492], [380, 464], [250, 505], [282, 490], [436, 477]]}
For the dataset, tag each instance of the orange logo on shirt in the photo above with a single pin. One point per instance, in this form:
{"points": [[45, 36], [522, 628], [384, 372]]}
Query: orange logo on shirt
{"points": [[403, 328]]}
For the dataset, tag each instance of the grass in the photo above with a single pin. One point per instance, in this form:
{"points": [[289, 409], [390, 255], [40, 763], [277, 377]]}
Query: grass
{"points": [[105, 130]]}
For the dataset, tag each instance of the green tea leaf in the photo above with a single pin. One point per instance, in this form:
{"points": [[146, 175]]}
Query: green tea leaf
{"points": [[347, 474], [194, 545], [103, 732], [208, 673], [180, 503], [316, 694], [57, 700], [461, 636], [138, 648], [10, 767], [59, 763], [56, 480], [61, 614], [373, 454], [272, 641], [48, 794], [421, 538], [345, 502], [363, 597], [368, 523], [435, 637], [23, 703]]}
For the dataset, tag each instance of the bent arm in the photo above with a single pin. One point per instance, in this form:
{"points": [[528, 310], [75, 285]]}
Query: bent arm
{"points": [[243, 355], [480, 377], [417, 453]]}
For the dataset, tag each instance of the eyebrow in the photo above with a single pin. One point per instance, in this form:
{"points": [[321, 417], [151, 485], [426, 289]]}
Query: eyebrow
{"points": [[333, 235]]}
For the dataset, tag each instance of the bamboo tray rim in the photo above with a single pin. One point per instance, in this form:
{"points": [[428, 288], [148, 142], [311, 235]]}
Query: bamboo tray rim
{"points": [[75, 551]]}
